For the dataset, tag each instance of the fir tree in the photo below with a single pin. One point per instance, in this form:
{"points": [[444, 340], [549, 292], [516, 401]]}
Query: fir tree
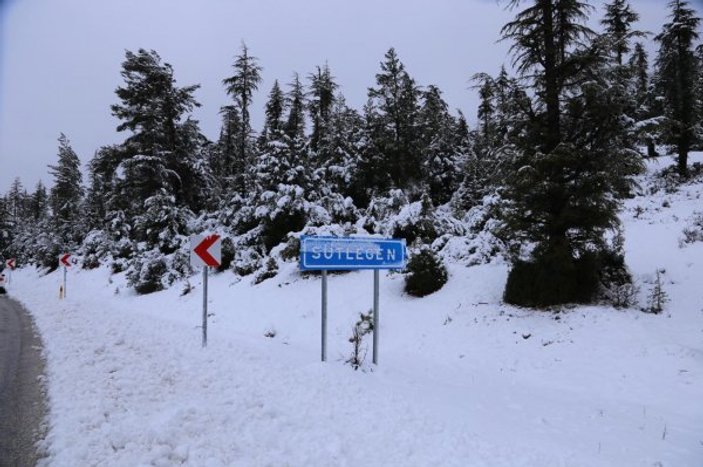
{"points": [[391, 114], [226, 161], [618, 20], [572, 157], [339, 153], [39, 203], [16, 202], [163, 151], [676, 77], [67, 192], [639, 65], [241, 86], [440, 156], [295, 124], [274, 110], [322, 98]]}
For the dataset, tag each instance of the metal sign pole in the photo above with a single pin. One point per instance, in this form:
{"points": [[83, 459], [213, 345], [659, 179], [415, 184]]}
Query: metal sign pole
{"points": [[204, 306], [324, 315], [375, 316], [64, 282]]}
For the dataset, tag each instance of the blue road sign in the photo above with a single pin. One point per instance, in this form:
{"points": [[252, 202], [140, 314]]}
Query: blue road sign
{"points": [[344, 253]]}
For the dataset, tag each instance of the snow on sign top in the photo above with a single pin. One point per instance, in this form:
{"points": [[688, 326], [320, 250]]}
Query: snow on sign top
{"points": [[344, 253]]}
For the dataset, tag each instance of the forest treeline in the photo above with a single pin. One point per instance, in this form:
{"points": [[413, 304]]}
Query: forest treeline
{"points": [[538, 180]]}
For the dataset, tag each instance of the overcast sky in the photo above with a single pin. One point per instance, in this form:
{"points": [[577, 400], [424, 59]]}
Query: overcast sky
{"points": [[60, 59]]}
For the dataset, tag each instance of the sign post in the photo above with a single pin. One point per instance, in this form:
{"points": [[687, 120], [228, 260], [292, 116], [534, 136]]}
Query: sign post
{"points": [[64, 260], [10, 263], [324, 316], [205, 251], [350, 253]]}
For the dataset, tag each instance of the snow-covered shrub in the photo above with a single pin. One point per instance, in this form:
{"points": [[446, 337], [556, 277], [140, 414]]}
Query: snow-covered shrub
{"points": [[291, 250], [668, 180], [474, 240], [270, 270], [617, 285], [47, 251], [228, 252], [341, 210], [118, 265], [247, 261], [415, 222], [693, 232], [280, 213], [90, 262], [163, 223], [380, 209], [178, 265], [426, 273], [96, 245], [147, 271], [123, 248]]}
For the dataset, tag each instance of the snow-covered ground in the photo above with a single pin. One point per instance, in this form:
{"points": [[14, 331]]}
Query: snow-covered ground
{"points": [[463, 379]]}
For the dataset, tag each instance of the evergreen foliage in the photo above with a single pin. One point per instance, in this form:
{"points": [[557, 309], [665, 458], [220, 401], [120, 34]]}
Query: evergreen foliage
{"points": [[426, 273], [676, 77], [67, 192], [572, 160]]}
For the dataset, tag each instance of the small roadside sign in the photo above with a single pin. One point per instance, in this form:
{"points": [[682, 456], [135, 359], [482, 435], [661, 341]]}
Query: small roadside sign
{"points": [[11, 263], [347, 253], [205, 251], [64, 259]]}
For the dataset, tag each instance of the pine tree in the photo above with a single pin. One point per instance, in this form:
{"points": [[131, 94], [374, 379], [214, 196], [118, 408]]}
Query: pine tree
{"points": [[339, 153], [295, 124], [226, 161], [391, 115], [322, 98], [676, 78], [16, 201], [39, 203], [67, 192], [274, 110], [440, 156], [618, 20], [241, 86], [639, 64], [164, 150], [572, 157]]}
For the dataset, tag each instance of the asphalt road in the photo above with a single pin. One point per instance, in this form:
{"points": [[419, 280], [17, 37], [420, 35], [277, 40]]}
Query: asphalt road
{"points": [[22, 395]]}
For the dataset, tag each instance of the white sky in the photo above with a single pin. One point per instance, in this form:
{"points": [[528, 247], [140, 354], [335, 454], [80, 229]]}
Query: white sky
{"points": [[60, 60]]}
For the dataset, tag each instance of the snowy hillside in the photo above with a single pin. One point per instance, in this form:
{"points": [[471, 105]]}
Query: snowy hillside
{"points": [[463, 379]]}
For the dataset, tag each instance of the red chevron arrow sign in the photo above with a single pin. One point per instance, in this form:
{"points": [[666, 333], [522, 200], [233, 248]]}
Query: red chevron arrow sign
{"points": [[10, 263], [64, 259], [205, 250]]}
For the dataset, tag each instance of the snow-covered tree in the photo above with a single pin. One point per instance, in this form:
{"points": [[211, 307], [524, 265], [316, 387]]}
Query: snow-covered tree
{"points": [[67, 192], [572, 158], [241, 86], [320, 102], [676, 71], [393, 158]]}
